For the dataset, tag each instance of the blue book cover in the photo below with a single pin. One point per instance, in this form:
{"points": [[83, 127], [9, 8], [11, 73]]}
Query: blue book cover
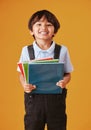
{"points": [[45, 76]]}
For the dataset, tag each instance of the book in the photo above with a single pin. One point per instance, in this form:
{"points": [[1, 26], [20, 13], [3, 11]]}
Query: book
{"points": [[20, 65], [44, 73], [45, 76], [47, 58], [46, 61], [26, 71]]}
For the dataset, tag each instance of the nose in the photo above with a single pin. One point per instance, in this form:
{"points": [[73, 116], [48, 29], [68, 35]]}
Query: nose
{"points": [[43, 27]]}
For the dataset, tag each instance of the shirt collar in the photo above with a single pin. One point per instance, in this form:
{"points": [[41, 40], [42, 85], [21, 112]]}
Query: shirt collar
{"points": [[38, 49]]}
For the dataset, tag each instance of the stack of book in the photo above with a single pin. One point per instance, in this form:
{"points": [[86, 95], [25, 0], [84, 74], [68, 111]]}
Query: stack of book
{"points": [[44, 73]]}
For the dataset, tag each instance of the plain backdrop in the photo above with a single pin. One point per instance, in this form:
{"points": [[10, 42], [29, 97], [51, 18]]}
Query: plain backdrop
{"points": [[75, 33]]}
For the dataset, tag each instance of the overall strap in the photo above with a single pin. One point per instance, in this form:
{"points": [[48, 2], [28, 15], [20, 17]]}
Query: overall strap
{"points": [[56, 51], [31, 52]]}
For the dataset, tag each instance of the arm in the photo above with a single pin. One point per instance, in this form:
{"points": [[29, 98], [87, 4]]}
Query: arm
{"points": [[65, 81], [27, 87]]}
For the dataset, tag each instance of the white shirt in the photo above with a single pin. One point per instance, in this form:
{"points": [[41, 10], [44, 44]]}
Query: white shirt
{"points": [[39, 53]]}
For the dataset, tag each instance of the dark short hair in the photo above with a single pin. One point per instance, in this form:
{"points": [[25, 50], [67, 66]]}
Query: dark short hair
{"points": [[48, 15]]}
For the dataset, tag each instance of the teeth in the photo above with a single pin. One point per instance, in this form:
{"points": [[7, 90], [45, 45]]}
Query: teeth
{"points": [[44, 32]]}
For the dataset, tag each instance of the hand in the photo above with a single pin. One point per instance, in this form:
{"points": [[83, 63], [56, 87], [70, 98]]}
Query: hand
{"points": [[29, 87], [61, 84]]}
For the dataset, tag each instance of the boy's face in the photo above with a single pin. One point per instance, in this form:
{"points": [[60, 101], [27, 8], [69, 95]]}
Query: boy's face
{"points": [[43, 30]]}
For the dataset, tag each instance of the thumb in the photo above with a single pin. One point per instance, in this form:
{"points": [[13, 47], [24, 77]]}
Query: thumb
{"points": [[34, 87]]}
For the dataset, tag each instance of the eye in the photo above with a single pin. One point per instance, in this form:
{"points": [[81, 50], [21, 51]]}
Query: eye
{"points": [[49, 24], [38, 24]]}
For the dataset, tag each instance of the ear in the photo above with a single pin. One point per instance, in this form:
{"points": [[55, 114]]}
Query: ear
{"points": [[53, 35], [31, 32]]}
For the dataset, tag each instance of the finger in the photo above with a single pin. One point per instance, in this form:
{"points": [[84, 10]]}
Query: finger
{"points": [[27, 91], [33, 87], [61, 81], [29, 87], [57, 83], [60, 84]]}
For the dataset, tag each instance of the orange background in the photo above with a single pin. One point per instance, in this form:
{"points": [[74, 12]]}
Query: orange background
{"points": [[75, 18]]}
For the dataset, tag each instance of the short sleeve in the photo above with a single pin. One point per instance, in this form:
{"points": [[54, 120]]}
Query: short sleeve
{"points": [[68, 67], [24, 56], [65, 58]]}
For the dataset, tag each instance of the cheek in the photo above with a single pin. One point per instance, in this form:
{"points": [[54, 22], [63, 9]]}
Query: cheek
{"points": [[52, 30]]}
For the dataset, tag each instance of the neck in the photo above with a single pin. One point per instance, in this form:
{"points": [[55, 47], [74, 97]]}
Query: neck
{"points": [[44, 45]]}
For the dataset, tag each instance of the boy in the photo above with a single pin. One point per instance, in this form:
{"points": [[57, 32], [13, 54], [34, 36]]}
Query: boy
{"points": [[45, 108]]}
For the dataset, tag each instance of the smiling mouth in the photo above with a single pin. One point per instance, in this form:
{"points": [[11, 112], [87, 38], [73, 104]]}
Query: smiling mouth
{"points": [[43, 33]]}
